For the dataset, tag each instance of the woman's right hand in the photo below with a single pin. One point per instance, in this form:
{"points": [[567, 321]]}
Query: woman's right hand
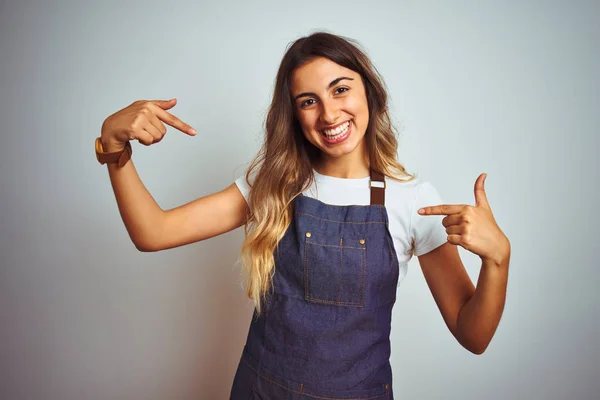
{"points": [[141, 120]]}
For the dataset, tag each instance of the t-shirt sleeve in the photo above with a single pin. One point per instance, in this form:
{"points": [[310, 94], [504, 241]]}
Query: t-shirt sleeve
{"points": [[427, 231], [243, 186]]}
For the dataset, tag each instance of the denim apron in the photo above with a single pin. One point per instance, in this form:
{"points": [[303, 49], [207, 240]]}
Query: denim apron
{"points": [[325, 327]]}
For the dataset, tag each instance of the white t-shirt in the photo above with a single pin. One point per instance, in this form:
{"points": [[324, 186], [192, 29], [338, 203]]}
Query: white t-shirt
{"points": [[413, 234]]}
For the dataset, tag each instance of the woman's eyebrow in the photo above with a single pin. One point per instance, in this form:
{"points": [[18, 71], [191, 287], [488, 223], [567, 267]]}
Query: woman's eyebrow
{"points": [[331, 84]]}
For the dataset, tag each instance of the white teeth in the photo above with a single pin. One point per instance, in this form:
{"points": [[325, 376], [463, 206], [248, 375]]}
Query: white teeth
{"points": [[337, 132]]}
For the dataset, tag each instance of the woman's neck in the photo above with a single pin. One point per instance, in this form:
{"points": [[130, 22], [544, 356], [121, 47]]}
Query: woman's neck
{"points": [[349, 167]]}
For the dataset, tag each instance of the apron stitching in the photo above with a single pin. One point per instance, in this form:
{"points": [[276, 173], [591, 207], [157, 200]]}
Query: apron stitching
{"points": [[363, 277], [306, 295], [339, 222], [310, 395], [340, 287], [332, 245], [392, 251], [362, 264], [338, 303]]}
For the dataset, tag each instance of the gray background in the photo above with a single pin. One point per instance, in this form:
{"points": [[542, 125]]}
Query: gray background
{"points": [[507, 88]]}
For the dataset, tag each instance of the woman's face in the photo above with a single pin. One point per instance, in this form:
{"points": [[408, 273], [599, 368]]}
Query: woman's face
{"points": [[331, 105]]}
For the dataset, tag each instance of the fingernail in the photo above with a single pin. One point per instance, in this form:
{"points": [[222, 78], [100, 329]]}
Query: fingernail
{"points": [[193, 131], [421, 211]]}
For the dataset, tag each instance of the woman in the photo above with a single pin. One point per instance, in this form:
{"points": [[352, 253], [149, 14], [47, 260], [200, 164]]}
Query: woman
{"points": [[331, 220]]}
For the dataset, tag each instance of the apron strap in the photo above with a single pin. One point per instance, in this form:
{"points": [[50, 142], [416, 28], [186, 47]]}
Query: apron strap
{"points": [[377, 184]]}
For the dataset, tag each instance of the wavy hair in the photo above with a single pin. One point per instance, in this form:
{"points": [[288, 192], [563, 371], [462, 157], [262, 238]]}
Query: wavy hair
{"points": [[282, 169]]}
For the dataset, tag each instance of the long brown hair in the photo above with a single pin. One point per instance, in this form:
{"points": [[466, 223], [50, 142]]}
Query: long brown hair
{"points": [[282, 169]]}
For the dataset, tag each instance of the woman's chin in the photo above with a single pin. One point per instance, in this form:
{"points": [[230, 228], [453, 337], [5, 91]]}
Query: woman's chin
{"points": [[343, 149]]}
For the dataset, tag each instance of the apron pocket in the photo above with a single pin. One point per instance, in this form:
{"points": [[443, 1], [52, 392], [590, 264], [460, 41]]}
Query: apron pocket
{"points": [[335, 270]]}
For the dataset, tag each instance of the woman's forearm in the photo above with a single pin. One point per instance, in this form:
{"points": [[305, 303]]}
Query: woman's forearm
{"points": [[479, 317], [139, 211]]}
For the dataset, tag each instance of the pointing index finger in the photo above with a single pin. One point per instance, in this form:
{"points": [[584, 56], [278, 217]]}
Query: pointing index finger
{"points": [[172, 120], [442, 209]]}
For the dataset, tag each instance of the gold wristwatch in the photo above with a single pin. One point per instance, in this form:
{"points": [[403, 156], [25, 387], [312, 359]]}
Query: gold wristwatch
{"points": [[118, 157]]}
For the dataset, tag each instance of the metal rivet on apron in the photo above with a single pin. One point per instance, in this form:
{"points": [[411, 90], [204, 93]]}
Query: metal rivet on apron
{"points": [[307, 234], [362, 241]]}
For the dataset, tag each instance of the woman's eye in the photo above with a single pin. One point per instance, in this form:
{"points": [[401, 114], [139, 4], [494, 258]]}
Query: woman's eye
{"points": [[307, 103], [341, 90]]}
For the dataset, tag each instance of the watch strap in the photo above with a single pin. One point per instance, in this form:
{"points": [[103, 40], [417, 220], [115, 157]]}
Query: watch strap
{"points": [[118, 157]]}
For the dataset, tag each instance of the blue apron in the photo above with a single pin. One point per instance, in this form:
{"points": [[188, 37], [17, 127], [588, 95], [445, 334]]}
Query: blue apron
{"points": [[325, 328]]}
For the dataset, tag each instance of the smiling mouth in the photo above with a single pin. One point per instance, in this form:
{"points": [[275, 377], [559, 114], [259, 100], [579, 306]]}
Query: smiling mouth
{"points": [[336, 132]]}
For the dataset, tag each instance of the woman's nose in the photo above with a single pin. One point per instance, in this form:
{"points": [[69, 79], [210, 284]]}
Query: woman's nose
{"points": [[329, 112]]}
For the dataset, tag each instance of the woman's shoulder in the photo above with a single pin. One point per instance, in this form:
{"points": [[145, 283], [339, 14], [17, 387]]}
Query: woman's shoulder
{"points": [[405, 193], [404, 184]]}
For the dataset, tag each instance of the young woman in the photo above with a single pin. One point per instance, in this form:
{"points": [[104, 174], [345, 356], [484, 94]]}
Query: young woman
{"points": [[331, 220]]}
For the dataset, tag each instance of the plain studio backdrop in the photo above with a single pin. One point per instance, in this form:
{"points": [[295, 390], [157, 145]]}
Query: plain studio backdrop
{"points": [[507, 88]]}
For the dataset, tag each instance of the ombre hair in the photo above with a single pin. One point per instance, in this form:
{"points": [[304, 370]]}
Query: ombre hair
{"points": [[283, 168]]}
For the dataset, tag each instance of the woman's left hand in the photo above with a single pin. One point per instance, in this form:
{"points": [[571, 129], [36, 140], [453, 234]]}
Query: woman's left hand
{"points": [[474, 227]]}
